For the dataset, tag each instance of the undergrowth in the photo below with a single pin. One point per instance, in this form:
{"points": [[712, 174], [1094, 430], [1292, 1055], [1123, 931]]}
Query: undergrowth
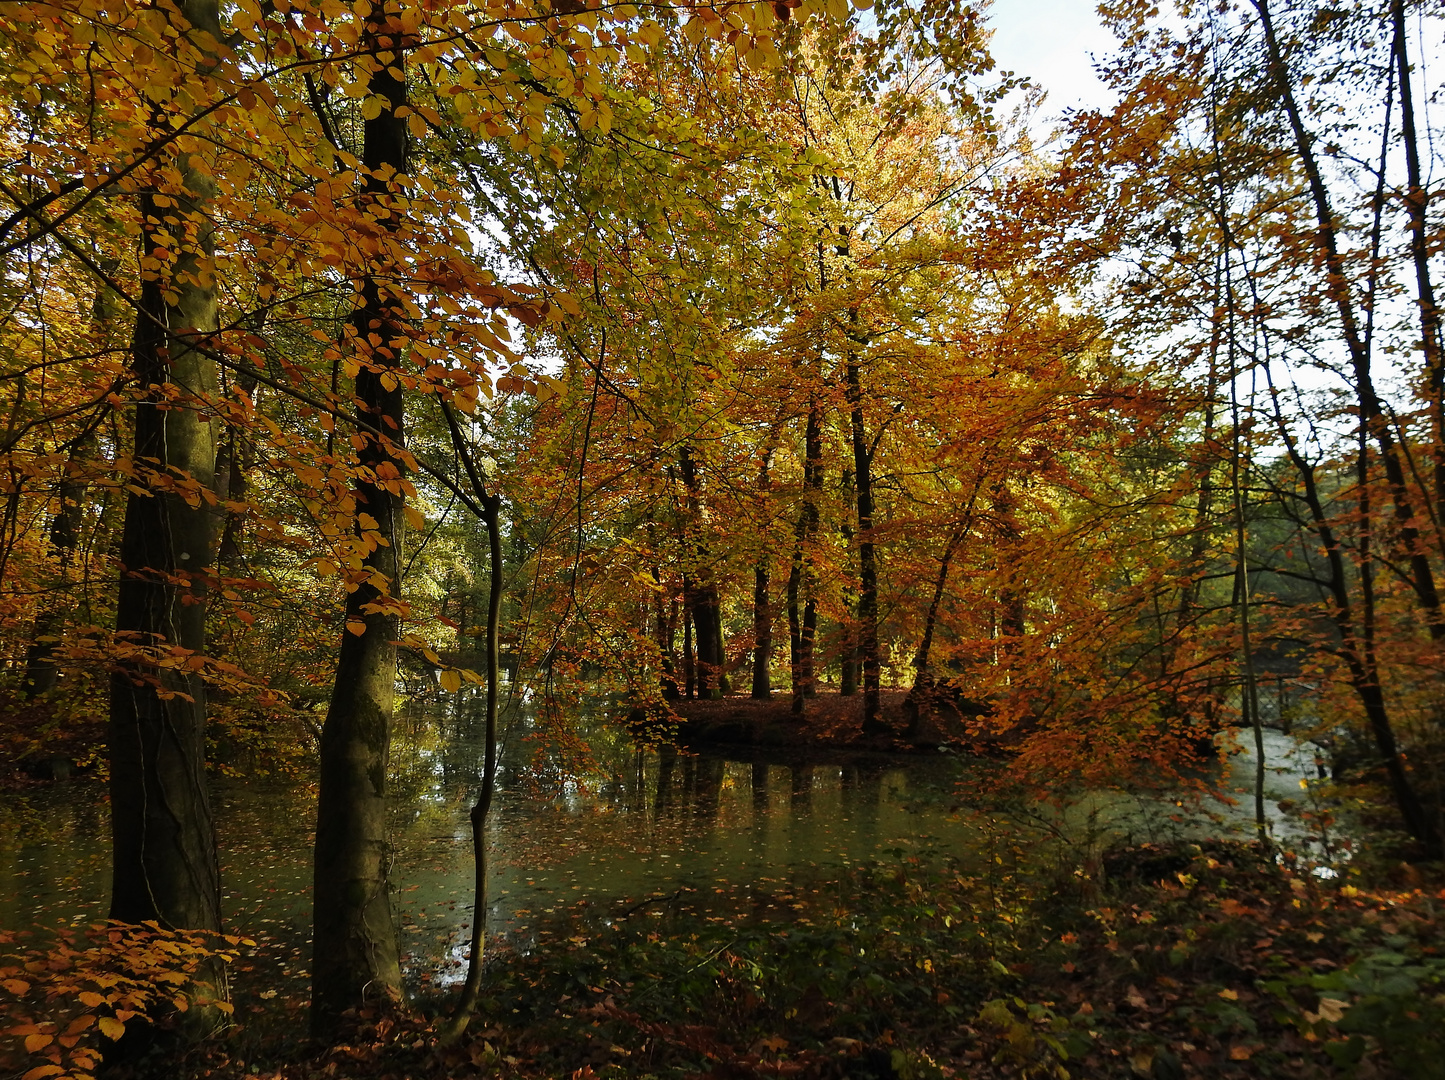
{"points": [[1207, 961]]}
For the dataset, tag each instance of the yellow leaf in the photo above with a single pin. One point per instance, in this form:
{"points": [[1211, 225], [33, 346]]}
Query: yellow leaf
{"points": [[42, 1070], [1229, 995], [356, 626], [111, 1028], [371, 107], [366, 521], [1333, 1009], [415, 518], [451, 681]]}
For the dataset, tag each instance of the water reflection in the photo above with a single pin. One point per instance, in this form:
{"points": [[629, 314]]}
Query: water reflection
{"points": [[633, 825]]}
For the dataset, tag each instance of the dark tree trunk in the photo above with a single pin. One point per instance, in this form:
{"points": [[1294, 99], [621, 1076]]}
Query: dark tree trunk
{"points": [[64, 539], [802, 578], [703, 598], [762, 682], [1416, 198], [1372, 410], [491, 507], [867, 555], [164, 860], [921, 660], [848, 664], [666, 627], [689, 663], [762, 635], [1424, 827], [237, 456], [354, 948], [707, 624]]}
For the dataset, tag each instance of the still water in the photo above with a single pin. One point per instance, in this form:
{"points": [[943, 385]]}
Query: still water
{"points": [[623, 827]]}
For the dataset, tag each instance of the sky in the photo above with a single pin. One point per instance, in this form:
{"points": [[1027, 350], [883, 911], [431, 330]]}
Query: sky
{"points": [[1050, 41]]}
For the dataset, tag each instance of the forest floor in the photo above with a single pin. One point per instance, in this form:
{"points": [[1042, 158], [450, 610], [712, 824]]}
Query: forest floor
{"points": [[1190, 961]]}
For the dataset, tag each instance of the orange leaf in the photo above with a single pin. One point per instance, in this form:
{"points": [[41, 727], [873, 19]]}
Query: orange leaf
{"points": [[111, 1028], [34, 1043]]}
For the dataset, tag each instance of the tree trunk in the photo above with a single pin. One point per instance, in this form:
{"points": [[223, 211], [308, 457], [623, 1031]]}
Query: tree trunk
{"points": [[164, 862], [354, 948], [40, 673], [867, 556], [665, 630], [921, 659], [703, 598], [762, 685], [848, 664], [1415, 204], [689, 662], [762, 688], [1371, 409], [802, 580], [471, 990]]}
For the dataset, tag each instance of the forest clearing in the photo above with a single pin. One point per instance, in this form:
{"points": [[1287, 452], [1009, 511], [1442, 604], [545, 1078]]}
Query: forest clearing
{"points": [[548, 538]]}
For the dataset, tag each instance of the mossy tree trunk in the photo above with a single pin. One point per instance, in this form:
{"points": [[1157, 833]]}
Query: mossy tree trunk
{"points": [[164, 847]]}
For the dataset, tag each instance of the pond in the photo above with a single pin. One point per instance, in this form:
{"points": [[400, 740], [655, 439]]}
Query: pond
{"points": [[647, 826]]}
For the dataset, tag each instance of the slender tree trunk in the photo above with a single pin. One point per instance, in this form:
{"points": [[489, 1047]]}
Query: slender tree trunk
{"points": [[472, 988], [867, 556], [921, 662], [1371, 408], [1416, 200], [1364, 675], [848, 665], [354, 955], [802, 583], [236, 457], [164, 856], [689, 662], [762, 683], [1249, 689], [665, 628], [704, 601], [762, 687], [64, 538]]}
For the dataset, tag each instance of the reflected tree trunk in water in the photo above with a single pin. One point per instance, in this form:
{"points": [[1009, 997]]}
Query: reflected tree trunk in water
{"points": [[666, 762], [802, 785], [760, 790], [709, 786]]}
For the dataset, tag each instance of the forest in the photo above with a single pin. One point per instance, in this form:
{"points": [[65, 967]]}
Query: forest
{"points": [[572, 538]]}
